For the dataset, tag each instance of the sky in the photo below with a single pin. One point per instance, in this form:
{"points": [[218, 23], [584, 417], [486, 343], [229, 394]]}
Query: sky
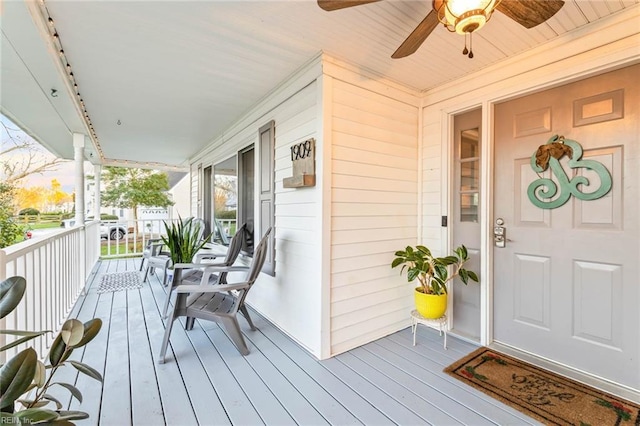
{"points": [[64, 172]]}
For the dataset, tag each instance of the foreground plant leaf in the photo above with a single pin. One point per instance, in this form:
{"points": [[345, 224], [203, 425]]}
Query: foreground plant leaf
{"points": [[28, 335], [35, 415], [91, 330], [30, 403], [72, 332], [52, 399], [16, 376], [11, 292], [40, 375], [89, 371], [57, 351], [74, 390], [72, 415]]}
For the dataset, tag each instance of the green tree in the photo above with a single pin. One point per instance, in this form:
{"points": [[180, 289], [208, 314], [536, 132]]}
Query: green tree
{"points": [[9, 229], [131, 188]]}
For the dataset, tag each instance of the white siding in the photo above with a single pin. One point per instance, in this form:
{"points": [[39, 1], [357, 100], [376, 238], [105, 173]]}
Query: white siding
{"points": [[433, 179], [373, 212], [291, 299]]}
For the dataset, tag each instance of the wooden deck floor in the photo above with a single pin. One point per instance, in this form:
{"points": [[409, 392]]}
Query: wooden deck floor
{"points": [[207, 382]]}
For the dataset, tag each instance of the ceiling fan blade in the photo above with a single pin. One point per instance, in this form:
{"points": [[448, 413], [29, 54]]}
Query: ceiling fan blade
{"points": [[530, 13], [330, 5], [418, 36]]}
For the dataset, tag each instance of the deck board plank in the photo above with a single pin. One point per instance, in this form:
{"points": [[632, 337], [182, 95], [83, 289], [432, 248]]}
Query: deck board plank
{"points": [[175, 399], [359, 407], [280, 375], [430, 395], [395, 391], [89, 307], [431, 372], [322, 401], [237, 406], [264, 401], [206, 381], [117, 386], [145, 395], [94, 354]]}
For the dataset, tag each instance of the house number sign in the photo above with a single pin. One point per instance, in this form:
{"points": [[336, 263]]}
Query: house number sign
{"points": [[542, 191], [303, 162], [301, 150]]}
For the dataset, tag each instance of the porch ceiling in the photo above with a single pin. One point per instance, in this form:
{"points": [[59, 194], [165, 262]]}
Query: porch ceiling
{"points": [[162, 79]]}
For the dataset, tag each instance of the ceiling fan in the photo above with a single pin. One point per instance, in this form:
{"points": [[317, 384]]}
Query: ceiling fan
{"points": [[463, 17]]}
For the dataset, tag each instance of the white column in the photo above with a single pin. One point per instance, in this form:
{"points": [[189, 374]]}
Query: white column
{"points": [[78, 157], [97, 170]]}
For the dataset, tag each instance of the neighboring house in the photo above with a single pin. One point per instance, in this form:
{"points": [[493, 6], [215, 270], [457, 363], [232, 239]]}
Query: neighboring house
{"points": [[178, 190]]}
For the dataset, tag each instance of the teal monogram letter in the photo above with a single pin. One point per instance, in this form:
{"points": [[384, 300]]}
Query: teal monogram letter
{"points": [[541, 191]]}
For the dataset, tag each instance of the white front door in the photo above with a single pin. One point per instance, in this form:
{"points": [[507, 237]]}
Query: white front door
{"points": [[567, 282]]}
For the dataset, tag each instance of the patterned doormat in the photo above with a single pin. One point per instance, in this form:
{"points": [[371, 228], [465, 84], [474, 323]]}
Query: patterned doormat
{"points": [[545, 396], [118, 281]]}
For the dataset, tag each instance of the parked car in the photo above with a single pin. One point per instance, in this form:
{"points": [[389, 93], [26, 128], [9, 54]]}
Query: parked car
{"points": [[113, 231], [110, 230]]}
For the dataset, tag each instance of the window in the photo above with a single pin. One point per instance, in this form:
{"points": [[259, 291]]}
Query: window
{"points": [[206, 208], [469, 175], [233, 198], [229, 191], [225, 200], [246, 179]]}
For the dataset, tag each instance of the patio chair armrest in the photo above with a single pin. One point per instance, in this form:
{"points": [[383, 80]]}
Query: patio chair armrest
{"points": [[199, 257], [191, 288], [189, 265], [210, 267]]}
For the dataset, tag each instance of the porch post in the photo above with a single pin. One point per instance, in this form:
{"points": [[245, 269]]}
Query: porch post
{"points": [[78, 157], [97, 170]]}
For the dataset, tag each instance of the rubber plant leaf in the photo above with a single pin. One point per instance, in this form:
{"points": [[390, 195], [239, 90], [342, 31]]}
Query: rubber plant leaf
{"points": [[91, 330], [11, 292], [16, 376]]}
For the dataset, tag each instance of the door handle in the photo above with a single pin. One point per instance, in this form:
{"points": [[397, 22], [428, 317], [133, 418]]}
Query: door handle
{"points": [[499, 234]]}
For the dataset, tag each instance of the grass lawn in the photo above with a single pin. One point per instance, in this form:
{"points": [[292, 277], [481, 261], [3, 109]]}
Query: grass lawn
{"points": [[114, 248], [44, 225]]}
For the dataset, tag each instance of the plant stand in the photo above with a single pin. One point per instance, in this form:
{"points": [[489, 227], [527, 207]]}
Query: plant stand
{"points": [[439, 324]]}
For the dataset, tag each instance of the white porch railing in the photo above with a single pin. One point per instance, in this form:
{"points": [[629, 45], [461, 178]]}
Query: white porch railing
{"points": [[138, 233], [132, 243], [56, 268]]}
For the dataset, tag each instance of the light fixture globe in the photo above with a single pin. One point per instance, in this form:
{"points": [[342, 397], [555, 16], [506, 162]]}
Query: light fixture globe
{"points": [[464, 16]]}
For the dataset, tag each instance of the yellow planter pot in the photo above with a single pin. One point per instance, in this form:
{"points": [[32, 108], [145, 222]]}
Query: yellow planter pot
{"points": [[430, 305]]}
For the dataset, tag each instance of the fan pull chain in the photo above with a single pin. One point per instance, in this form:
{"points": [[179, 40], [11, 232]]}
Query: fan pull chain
{"points": [[468, 52]]}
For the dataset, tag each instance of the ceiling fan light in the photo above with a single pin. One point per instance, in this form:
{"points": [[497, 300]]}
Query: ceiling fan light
{"points": [[464, 16], [470, 22]]}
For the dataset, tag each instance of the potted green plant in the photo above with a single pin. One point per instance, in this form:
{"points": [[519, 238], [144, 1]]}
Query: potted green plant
{"points": [[184, 239], [433, 275]]}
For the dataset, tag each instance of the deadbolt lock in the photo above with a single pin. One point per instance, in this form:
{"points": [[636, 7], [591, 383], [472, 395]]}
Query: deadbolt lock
{"points": [[499, 233]]}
